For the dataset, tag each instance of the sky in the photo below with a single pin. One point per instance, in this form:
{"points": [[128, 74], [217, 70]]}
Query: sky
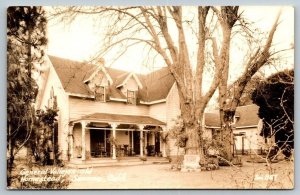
{"points": [[82, 39]]}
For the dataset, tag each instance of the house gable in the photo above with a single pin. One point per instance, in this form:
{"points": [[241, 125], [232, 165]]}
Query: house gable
{"points": [[99, 74], [131, 81], [99, 84], [51, 86]]}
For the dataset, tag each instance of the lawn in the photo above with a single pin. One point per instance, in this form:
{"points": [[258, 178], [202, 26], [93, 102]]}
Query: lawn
{"points": [[158, 176]]}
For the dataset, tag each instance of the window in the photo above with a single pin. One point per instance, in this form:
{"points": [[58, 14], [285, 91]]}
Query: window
{"points": [[100, 93], [216, 134], [235, 119], [131, 97], [52, 101]]}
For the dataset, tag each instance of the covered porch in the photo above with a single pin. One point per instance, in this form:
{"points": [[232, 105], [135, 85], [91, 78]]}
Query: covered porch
{"points": [[102, 135]]}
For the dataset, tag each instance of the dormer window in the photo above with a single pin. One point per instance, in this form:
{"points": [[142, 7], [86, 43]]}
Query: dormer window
{"points": [[100, 93], [131, 97]]}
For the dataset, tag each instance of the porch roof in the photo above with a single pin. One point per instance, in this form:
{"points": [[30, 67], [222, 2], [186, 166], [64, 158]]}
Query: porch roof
{"points": [[120, 118]]}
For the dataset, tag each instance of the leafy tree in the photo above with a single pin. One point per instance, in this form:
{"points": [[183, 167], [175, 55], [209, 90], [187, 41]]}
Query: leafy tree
{"points": [[26, 40], [43, 143], [275, 98]]}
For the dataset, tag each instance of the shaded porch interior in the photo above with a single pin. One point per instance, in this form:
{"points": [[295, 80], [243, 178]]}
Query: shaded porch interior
{"points": [[127, 140], [106, 140]]}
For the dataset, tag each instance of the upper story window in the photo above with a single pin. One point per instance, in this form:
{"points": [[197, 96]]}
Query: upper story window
{"points": [[52, 101], [100, 93], [131, 97]]}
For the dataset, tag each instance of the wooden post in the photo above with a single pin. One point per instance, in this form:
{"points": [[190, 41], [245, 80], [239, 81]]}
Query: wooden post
{"points": [[146, 143], [132, 143], [114, 126], [83, 125], [141, 127], [104, 140], [164, 152], [71, 140]]}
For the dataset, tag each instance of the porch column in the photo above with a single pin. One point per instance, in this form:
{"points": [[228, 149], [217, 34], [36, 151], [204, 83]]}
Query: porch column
{"points": [[71, 141], [164, 149], [132, 146], [141, 127], [114, 126], [146, 139], [105, 140], [83, 125]]}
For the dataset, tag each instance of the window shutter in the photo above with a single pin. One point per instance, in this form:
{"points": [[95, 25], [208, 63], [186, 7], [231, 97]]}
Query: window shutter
{"points": [[138, 97], [55, 102], [107, 93]]}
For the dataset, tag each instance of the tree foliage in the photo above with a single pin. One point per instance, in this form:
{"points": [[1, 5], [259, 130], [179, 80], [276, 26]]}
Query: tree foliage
{"points": [[26, 40], [275, 98], [25, 48]]}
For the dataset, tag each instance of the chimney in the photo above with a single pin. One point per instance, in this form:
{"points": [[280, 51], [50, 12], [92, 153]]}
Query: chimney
{"points": [[101, 62]]}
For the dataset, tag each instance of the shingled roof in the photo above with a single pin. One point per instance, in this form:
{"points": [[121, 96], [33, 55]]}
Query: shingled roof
{"points": [[128, 119], [246, 116], [72, 74]]}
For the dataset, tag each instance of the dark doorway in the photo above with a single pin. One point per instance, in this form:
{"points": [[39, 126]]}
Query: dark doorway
{"points": [[136, 142], [243, 143], [99, 143], [157, 143]]}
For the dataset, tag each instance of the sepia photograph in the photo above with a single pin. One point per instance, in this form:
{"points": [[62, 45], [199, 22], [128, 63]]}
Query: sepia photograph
{"points": [[150, 97]]}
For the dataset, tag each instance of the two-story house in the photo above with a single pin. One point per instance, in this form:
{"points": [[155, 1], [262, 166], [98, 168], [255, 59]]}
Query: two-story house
{"points": [[105, 112]]}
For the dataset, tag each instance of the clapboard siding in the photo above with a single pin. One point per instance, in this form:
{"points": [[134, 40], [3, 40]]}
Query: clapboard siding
{"points": [[172, 107], [173, 111], [158, 111], [62, 104], [81, 107], [253, 141], [77, 136]]}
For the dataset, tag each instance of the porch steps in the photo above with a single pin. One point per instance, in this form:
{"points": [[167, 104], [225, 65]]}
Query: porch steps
{"points": [[77, 163]]}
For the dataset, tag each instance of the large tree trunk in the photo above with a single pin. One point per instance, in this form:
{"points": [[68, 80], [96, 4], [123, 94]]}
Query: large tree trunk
{"points": [[229, 104], [227, 118], [193, 142]]}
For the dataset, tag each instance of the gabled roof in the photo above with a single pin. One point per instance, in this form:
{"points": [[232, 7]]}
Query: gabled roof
{"points": [[156, 85], [246, 116], [124, 81], [73, 74], [212, 119], [95, 72]]}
